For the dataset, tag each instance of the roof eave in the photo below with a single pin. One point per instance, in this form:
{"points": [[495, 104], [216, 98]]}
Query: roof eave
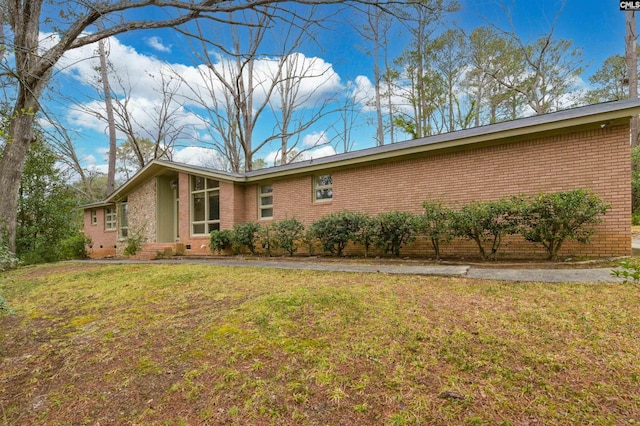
{"points": [[449, 141], [156, 167]]}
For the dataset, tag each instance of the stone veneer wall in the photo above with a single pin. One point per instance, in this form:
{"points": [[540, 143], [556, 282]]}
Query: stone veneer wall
{"points": [[142, 210]]}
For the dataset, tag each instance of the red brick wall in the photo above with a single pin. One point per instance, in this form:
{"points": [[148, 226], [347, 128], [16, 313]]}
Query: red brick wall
{"points": [[595, 159], [102, 242]]}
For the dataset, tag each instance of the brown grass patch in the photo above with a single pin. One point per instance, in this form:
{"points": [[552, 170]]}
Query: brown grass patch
{"points": [[196, 344]]}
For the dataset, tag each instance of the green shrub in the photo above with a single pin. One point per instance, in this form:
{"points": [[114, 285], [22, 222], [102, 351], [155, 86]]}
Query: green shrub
{"points": [[551, 219], [335, 230], [287, 233], [635, 218], [435, 224], [308, 238], [366, 231], [134, 241], [75, 247], [245, 235], [393, 230], [8, 259], [220, 240], [486, 223], [267, 239], [630, 272]]}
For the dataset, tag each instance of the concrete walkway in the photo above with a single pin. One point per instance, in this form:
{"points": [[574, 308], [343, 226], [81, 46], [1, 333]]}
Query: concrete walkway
{"points": [[463, 271]]}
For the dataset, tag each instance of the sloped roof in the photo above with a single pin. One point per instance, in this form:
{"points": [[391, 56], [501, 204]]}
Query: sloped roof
{"points": [[597, 115]]}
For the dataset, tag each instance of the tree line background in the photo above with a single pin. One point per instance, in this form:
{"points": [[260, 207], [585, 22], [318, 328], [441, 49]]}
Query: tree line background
{"points": [[443, 79]]}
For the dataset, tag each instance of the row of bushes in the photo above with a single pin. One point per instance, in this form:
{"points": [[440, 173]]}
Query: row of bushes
{"points": [[546, 219]]}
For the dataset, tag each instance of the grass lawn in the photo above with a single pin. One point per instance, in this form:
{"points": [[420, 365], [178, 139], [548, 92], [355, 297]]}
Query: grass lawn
{"points": [[197, 344]]}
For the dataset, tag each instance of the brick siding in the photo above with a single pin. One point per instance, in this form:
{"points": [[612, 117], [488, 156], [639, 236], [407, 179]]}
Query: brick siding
{"points": [[596, 159], [103, 243]]}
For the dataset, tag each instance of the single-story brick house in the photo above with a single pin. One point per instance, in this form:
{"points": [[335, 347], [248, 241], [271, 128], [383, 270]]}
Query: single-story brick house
{"points": [[176, 205]]}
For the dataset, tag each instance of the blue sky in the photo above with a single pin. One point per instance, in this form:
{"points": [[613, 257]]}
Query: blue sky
{"points": [[595, 26]]}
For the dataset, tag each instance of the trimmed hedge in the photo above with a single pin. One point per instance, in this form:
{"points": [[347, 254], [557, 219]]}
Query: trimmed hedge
{"points": [[546, 219]]}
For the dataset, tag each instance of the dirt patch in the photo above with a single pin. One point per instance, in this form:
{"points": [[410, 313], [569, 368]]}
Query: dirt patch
{"points": [[37, 271]]}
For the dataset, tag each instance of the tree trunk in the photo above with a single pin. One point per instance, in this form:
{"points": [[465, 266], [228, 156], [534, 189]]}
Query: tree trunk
{"points": [[632, 65], [104, 75], [11, 165], [377, 78]]}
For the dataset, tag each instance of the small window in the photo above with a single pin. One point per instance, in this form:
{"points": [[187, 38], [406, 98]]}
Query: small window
{"points": [[323, 188], [266, 201], [94, 217], [110, 218]]}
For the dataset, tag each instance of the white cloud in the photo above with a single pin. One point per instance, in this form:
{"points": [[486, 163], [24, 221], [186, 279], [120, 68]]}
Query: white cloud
{"points": [[102, 150], [137, 75], [273, 157], [89, 159], [139, 79], [315, 139], [316, 79], [156, 43], [363, 92], [98, 168], [324, 151], [198, 156]]}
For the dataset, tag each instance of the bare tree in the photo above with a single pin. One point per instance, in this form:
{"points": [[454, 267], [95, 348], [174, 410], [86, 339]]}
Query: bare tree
{"points": [[375, 30], [108, 107], [298, 109], [163, 122], [348, 112], [229, 87], [260, 77]]}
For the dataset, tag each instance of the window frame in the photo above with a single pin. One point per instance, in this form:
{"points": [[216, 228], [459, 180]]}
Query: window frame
{"points": [[123, 220], [206, 191], [317, 187], [110, 218], [94, 217], [264, 207]]}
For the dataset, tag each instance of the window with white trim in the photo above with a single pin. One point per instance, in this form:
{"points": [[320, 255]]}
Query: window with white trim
{"points": [[323, 188], [123, 219], [110, 218], [205, 205], [94, 217], [265, 201]]}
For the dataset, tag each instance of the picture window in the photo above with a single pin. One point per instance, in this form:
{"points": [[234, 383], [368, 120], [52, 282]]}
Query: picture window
{"points": [[205, 205]]}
